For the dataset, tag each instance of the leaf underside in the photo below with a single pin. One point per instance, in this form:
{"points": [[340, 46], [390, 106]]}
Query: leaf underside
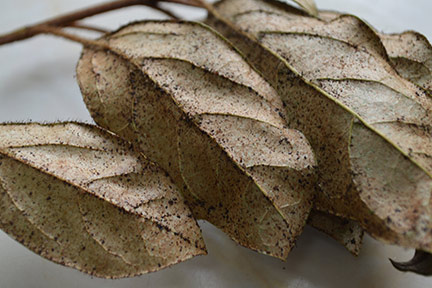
{"points": [[370, 128], [410, 53], [347, 232], [191, 103], [231, 139], [83, 198]]}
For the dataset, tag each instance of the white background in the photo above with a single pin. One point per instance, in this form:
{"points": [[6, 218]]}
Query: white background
{"points": [[37, 83]]}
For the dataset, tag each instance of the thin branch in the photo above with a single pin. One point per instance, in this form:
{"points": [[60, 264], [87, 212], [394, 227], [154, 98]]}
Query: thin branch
{"points": [[88, 27], [65, 20], [206, 5], [163, 10], [57, 31]]}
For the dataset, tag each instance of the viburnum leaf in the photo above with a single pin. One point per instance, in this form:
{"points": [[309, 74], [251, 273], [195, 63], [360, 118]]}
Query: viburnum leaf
{"points": [[187, 99], [370, 128], [421, 263], [82, 197], [309, 6], [347, 232], [410, 53]]}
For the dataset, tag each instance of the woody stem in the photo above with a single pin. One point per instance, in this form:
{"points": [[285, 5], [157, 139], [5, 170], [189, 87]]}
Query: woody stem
{"points": [[65, 20]]}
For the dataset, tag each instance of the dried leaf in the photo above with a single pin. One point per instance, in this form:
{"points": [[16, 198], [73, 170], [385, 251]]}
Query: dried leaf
{"points": [[347, 232], [188, 100], [411, 55], [83, 198], [421, 263], [370, 128], [309, 6]]}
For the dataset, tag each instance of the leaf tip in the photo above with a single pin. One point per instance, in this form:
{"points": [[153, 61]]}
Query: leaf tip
{"points": [[421, 263], [309, 6]]}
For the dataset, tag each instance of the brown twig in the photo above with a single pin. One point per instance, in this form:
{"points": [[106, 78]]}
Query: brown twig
{"points": [[163, 10], [58, 31], [87, 27], [65, 20]]}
